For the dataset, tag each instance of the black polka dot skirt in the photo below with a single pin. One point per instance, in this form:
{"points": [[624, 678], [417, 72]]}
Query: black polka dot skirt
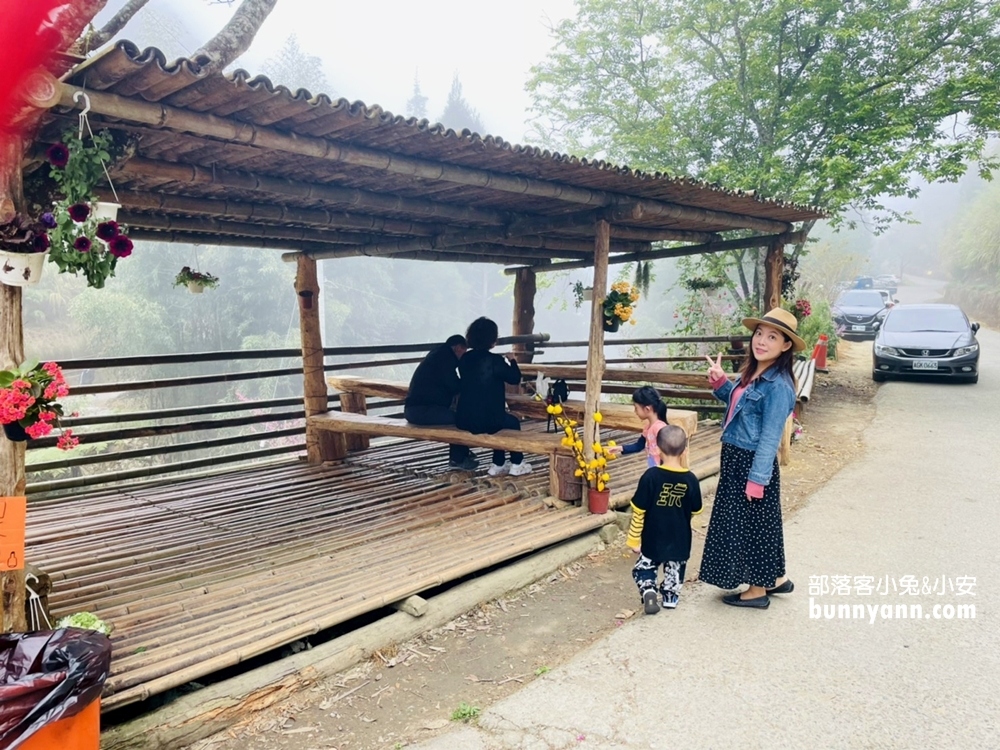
{"points": [[744, 542]]}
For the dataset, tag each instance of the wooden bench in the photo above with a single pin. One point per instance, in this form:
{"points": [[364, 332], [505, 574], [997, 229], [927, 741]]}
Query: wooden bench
{"points": [[562, 484], [354, 392], [805, 375]]}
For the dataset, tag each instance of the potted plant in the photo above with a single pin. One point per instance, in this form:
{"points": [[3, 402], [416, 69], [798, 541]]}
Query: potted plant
{"points": [[618, 305], [29, 406], [24, 245], [594, 473], [195, 281], [87, 237], [582, 293]]}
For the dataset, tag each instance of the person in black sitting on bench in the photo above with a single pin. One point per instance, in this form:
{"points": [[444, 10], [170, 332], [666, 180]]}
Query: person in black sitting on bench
{"points": [[433, 388], [482, 403]]}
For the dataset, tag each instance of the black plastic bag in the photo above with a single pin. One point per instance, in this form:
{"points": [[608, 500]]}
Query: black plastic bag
{"points": [[48, 676]]}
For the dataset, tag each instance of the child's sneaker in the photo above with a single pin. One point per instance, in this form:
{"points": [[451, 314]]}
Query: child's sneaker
{"points": [[649, 603], [519, 470], [670, 601], [499, 471]]}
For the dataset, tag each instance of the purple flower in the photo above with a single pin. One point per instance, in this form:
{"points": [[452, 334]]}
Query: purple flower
{"points": [[82, 244], [58, 155], [41, 242], [48, 220], [79, 212], [120, 246], [107, 230]]}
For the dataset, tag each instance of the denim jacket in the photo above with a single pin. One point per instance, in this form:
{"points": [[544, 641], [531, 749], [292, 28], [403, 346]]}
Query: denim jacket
{"points": [[759, 419]]}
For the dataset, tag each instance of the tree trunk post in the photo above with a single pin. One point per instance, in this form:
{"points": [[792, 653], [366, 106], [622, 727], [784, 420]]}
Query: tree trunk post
{"points": [[12, 476], [525, 286], [774, 267], [320, 446], [595, 350]]}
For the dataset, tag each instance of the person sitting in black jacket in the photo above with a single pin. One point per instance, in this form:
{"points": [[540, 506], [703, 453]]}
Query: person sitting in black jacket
{"points": [[482, 403], [433, 388]]}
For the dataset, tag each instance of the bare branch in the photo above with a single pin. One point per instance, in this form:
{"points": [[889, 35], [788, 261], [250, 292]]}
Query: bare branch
{"points": [[117, 22], [235, 37]]}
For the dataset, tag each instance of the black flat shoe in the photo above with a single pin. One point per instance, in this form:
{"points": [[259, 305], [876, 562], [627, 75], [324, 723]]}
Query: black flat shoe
{"points": [[786, 588], [760, 602]]}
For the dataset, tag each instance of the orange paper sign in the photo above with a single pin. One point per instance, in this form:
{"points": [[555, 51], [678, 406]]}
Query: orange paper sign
{"points": [[12, 518]]}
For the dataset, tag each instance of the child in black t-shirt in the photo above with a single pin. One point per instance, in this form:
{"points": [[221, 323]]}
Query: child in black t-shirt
{"points": [[660, 531]]}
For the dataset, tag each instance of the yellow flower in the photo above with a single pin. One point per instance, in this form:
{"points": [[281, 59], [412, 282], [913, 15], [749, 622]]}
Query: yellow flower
{"points": [[612, 443], [557, 409], [550, 409], [605, 477], [600, 486], [591, 476], [579, 445], [572, 423], [569, 432], [602, 462], [632, 322], [597, 447], [598, 417], [578, 473]]}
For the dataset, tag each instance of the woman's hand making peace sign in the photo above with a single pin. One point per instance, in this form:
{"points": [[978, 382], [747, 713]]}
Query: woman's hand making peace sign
{"points": [[715, 370]]}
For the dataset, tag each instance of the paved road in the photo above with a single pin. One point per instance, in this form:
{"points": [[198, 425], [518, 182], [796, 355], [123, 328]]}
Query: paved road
{"points": [[923, 501]]}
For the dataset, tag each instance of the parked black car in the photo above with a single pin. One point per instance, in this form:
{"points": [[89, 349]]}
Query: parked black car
{"points": [[856, 312], [934, 340]]}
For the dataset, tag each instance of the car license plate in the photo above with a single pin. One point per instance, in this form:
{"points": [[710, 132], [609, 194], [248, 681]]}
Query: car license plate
{"points": [[857, 328], [925, 364]]}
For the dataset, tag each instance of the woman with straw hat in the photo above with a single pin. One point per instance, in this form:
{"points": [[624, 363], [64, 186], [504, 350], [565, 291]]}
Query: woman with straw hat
{"points": [[745, 543]]}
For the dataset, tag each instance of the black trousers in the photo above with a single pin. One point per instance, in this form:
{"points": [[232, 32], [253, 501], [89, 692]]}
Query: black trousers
{"points": [[510, 422], [431, 416]]}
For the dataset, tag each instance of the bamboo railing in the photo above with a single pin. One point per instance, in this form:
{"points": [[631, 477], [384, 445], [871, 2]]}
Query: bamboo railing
{"points": [[120, 442]]}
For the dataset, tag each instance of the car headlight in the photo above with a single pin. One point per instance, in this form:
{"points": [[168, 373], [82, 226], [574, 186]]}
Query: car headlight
{"points": [[879, 349], [967, 350]]}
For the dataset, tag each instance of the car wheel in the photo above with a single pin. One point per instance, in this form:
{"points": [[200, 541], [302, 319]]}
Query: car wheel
{"points": [[878, 377]]}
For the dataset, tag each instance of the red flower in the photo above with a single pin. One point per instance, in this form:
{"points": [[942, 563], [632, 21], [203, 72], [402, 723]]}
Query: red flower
{"points": [[107, 230], [82, 244], [120, 246], [38, 429], [58, 155], [67, 441], [79, 212], [41, 242]]}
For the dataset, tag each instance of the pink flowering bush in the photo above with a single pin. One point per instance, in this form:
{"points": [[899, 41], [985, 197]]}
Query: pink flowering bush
{"points": [[29, 397]]}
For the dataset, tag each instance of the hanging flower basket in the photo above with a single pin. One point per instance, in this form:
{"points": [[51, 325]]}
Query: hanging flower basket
{"points": [[196, 281], [106, 211], [611, 325], [22, 269]]}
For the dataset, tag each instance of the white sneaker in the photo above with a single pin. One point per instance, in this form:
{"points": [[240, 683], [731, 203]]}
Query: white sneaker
{"points": [[519, 470], [499, 471]]}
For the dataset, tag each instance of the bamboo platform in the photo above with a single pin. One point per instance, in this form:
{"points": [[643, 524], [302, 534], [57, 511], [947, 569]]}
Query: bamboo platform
{"points": [[201, 574]]}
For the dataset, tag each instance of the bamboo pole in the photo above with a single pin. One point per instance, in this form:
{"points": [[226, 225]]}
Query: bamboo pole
{"points": [[319, 446], [163, 117], [525, 287], [595, 351], [790, 238], [12, 475]]}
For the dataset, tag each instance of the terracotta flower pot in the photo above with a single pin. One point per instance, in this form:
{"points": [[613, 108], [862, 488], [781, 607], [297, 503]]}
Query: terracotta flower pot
{"points": [[598, 501], [22, 269], [15, 433], [612, 324]]}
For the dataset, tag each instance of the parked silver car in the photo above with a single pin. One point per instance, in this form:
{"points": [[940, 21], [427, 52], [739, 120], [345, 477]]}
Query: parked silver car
{"points": [[930, 340]]}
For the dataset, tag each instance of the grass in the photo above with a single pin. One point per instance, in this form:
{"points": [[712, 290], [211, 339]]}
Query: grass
{"points": [[465, 713]]}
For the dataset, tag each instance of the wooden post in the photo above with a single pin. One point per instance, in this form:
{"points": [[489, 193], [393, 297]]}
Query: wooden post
{"points": [[12, 477], [320, 446], [355, 403], [774, 267], [595, 350], [525, 286]]}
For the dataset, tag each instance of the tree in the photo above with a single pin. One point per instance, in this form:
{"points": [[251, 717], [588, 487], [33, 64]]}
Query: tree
{"points": [[821, 102], [458, 113], [416, 105], [294, 68]]}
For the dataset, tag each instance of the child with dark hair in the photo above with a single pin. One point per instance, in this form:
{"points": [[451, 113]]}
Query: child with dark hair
{"points": [[652, 410], [660, 531], [482, 401]]}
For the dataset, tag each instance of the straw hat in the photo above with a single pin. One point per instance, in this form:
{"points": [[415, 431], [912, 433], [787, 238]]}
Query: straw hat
{"points": [[784, 321]]}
